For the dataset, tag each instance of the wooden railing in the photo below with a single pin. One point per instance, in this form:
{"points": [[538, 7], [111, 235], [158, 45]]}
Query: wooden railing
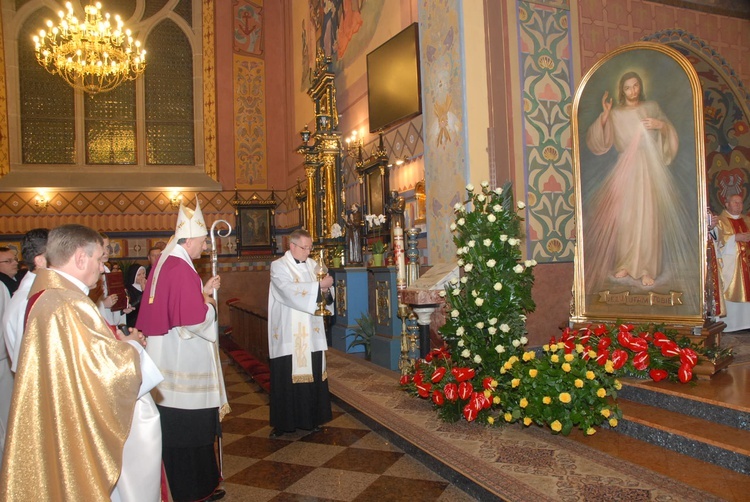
{"points": [[250, 328]]}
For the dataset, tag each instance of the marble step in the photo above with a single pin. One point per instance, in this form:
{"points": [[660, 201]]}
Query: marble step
{"points": [[719, 444], [698, 401]]}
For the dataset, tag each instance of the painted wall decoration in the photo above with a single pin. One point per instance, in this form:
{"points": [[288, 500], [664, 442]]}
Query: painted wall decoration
{"points": [[546, 83], [248, 27], [445, 145], [250, 123]]}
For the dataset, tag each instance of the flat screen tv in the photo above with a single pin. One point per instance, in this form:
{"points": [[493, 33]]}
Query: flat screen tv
{"points": [[393, 80]]}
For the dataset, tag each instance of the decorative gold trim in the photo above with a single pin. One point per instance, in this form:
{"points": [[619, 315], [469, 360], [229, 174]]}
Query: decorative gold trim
{"points": [[209, 90]]}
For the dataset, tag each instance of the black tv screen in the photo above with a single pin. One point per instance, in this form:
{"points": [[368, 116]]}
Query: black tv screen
{"points": [[393, 80]]}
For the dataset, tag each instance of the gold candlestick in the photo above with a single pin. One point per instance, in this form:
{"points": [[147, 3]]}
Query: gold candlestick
{"points": [[320, 272]]}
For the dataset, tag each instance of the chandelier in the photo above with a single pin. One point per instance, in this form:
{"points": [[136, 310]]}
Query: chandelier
{"points": [[91, 55]]}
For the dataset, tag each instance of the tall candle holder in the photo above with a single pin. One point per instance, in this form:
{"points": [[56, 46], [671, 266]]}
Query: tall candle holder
{"points": [[412, 253], [404, 362], [320, 272]]}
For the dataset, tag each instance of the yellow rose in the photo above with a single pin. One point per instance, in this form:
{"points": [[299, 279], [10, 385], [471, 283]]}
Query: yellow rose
{"points": [[590, 375], [590, 431], [503, 370], [533, 373], [546, 399], [605, 412], [579, 348], [487, 393], [566, 367], [508, 365], [613, 422], [569, 357], [592, 354], [523, 403], [526, 356], [496, 399], [564, 397], [554, 358], [508, 417], [493, 383], [526, 421], [609, 366], [490, 420], [545, 347], [618, 385], [556, 426], [560, 345], [513, 360], [579, 383], [601, 392], [515, 382]]}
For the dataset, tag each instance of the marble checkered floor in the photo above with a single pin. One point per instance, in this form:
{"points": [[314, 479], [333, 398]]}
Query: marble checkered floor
{"points": [[345, 461]]}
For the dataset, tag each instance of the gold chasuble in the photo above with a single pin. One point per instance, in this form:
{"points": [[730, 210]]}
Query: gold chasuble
{"points": [[737, 281], [75, 391]]}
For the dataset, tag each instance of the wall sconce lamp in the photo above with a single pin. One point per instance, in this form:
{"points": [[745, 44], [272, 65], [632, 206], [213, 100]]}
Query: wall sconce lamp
{"points": [[175, 199], [355, 145], [41, 202]]}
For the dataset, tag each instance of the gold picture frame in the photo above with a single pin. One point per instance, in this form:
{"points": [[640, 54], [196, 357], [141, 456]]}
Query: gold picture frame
{"points": [[639, 165]]}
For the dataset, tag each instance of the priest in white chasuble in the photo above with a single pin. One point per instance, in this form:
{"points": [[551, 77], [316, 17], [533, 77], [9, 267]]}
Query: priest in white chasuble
{"points": [[734, 253], [76, 400], [297, 340]]}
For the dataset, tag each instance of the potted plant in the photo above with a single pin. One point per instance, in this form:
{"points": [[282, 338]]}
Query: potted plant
{"points": [[377, 221], [363, 334]]}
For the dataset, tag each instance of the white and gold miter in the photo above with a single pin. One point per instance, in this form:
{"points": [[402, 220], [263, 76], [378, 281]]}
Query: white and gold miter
{"points": [[190, 222]]}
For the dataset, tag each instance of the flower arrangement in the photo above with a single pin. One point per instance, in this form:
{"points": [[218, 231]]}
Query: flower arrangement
{"points": [[485, 374], [376, 221]]}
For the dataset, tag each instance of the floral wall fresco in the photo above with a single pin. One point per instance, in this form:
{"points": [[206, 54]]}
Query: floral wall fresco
{"points": [[546, 84], [251, 165]]}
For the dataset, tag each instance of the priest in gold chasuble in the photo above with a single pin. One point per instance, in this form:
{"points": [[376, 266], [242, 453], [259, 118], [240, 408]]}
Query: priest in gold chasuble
{"points": [[734, 254], [76, 384]]}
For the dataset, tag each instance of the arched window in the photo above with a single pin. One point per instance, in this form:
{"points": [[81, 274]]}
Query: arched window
{"points": [[146, 124]]}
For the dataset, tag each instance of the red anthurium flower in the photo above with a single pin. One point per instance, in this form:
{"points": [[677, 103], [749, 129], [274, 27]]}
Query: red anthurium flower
{"points": [[438, 375], [567, 333], [603, 344], [487, 383], [660, 339], [638, 345], [601, 357], [600, 330], [586, 351], [658, 375], [438, 398], [477, 401], [619, 358], [670, 349], [405, 379], [462, 374], [570, 345], [451, 391], [641, 361], [423, 389], [685, 373], [418, 377], [552, 340], [428, 357], [624, 338], [469, 413], [688, 356], [583, 335], [464, 390]]}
